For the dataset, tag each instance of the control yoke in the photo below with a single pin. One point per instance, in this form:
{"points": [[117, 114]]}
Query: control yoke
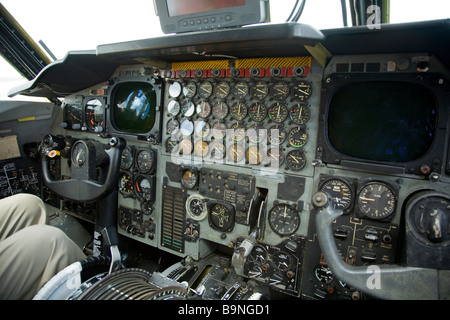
{"points": [[384, 281]]}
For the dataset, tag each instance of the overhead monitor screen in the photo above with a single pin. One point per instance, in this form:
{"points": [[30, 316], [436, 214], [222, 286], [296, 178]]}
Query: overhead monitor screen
{"points": [[383, 121], [182, 7], [134, 107]]}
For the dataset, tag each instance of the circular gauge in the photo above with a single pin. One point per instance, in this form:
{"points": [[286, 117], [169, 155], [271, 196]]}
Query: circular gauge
{"points": [[280, 90], [275, 157], [240, 90], [126, 184], [217, 150], [376, 201], [201, 148], [300, 114], [256, 133], [222, 90], [95, 115], [172, 126], [185, 146], [302, 90], [188, 108], [237, 131], [205, 90], [189, 89], [258, 254], [203, 109], [254, 155], [323, 274], [239, 111], [186, 128], [220, 110], [282, 260], [171, 145], [196, 207], [143, 188], [235, 152], [79, 154], [339, 192], [175, 90], [219, 129], [144, 160], [221, 217], [258, 112], [295, 160], [73, 116], [276, 135], [126, 160], [202, 129], [284, 219], [278, 112], [189, 179], [260, 90], [297, 137], [173, 108]]}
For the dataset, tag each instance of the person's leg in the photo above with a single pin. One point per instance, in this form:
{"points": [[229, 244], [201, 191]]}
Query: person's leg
{"points": [[31, 257], [20, 211]]}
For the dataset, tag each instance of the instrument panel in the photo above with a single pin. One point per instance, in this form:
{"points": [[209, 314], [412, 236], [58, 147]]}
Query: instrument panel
{"points": [[239, 161]]}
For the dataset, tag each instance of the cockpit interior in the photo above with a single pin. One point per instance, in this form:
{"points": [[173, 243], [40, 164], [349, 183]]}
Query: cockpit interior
{"points": [[231, 162]]}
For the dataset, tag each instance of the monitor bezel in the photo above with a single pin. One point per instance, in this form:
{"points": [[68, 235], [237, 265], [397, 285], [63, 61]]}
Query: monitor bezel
{"points": [[154, 134], [433, 159]]}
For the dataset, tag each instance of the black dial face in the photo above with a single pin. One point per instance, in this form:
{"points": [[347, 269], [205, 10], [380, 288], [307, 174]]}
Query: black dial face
{"points": [[189, 179], [237, 131], [297, 137], [339, 192], [235, 152], [95, 115], [201, 148], [143, 188], [126, 184], [172, 126], [127, 158], [205, 90], [217, 150], [276, 135], [196, 207], [254, 155], [190, 89], [295, 160], [188, 109], [73, 115], [280, 90], [256, 133], [203, 109], [300, 114], [377, 201], [239, 111], [275, 157], [278, 112], [240, 90], [144, 161], [258, 111], [284, 219], [220, 110], [202, 129], [222, 90], [79, 154], [221, 217], [218, 130], [260, 90], [302, 90]]}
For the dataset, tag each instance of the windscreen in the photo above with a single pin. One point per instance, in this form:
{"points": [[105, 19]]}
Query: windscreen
{"points": [[382, 121], [134, 107]]}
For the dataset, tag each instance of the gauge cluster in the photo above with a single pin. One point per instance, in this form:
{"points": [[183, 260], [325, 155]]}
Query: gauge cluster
{"points": [[86, 115], [251, 121]]}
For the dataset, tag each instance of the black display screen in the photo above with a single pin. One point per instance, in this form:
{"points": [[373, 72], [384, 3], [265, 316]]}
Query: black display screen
{"points": [[382, 121], [134, 109], [182, 7]]}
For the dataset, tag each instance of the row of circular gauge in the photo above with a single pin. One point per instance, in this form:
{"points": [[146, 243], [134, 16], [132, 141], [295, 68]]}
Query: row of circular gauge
{"points": [[93, 120], [236, 153], [257, 111], [376, 200], [279, 90], [284, 218]]}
